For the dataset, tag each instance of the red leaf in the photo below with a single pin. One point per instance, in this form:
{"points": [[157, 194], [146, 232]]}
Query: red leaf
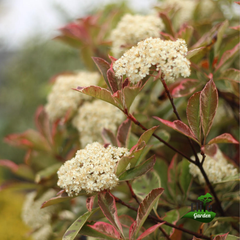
{"points": [[106, 229], [150, 230], [224, 138], [180, 127], [123, 133], [221, 237], [109, 137], [184, 87], [210, 150], [194, 114], [103, 67], [112, 80], [227, 55], [90, 202], [236, 27], [167, 23], [208, 106], [108, 206]]}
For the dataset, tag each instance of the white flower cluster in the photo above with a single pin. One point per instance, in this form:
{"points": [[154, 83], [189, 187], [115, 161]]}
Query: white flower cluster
{"points": [[63, 98], [132, 29], [186, 9], [217, 168], [36, 218], [169, 56], [92, 117], [92, 169]]}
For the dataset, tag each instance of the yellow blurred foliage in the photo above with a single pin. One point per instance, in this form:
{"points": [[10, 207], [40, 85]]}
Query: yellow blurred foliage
{"points": [[11, 225]]}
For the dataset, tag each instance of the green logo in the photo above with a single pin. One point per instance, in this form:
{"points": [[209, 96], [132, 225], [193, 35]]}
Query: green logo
{"points": [[203, 211]]}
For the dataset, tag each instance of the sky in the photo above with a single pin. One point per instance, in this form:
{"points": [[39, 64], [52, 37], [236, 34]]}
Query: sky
{"points": [[20, 19]]}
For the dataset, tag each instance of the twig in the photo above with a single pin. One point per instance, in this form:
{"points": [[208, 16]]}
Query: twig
{"points": [[197, 161], [150, 217]]}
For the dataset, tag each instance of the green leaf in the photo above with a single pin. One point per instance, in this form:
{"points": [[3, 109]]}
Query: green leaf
{"points": [[184, 177], [138, 170], [100, 93], [208, 105], [73, 230], [195, 51], [47, 173], [103, 67], [161, 168], [224, 138], [108, 206], [172, 177], [231, 74], [194, 114], [172, 217], [122, 165], [145, 208], [220, 33], [87, 230], [145, 184]]}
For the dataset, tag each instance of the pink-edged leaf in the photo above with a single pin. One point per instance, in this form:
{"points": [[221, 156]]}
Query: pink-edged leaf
{"points": [[195, 238], [180, 127], [185, 33], [109, 137], [224, 138], [150, 230], [20, 170], [210, 150], [107, 203], [208, 105], [194, 114], [100, 93], [194, 52], [172, 176], [167, 23], [28, 139], [123, 133], [76, 226], [145, 208], [139, 170], [42, 123], [9, 164], [236, 28], [227, 55], [167, 36], [231, 74], [184, 87], [62, 197], [106, 229], [126, 220], [90, 202], [113, 81], [103, 67], [221, 237], [131, 230]]}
